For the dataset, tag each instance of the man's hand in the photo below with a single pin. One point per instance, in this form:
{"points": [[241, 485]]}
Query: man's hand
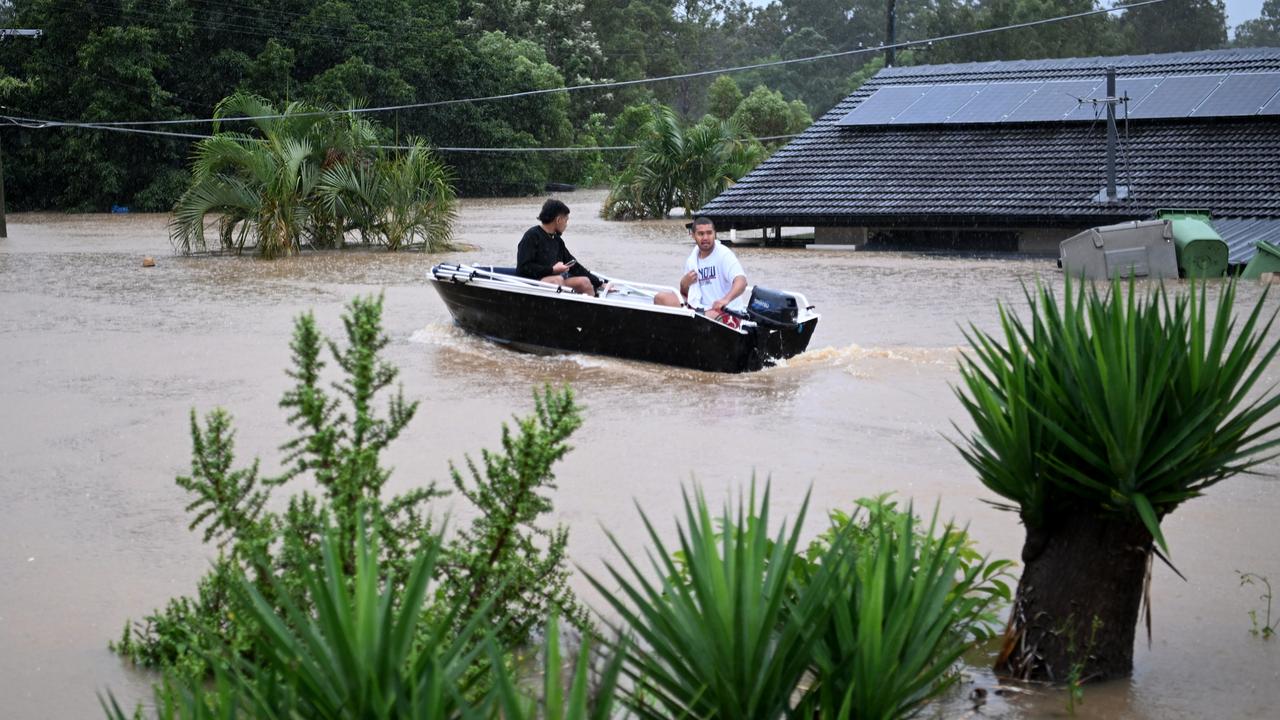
{"points": [[718, 305], [559, 268], [688, 280]]}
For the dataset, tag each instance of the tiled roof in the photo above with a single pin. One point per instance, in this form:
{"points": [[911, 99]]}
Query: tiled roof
{"points": [[1035, 174]]}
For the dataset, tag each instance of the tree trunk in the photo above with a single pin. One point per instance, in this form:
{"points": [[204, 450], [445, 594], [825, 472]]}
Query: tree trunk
{"points": [[1084, 571]]}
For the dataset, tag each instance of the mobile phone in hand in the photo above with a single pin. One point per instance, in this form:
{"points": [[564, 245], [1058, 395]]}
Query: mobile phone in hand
{"points": [[571, 263]]}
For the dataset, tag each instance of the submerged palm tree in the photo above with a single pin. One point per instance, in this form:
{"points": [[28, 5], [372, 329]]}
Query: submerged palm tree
{"points": [[398, 201], [677, 167], [308, 176], [1095, 420], [260, 185]]}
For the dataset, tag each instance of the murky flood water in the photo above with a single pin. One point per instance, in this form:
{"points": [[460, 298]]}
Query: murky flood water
{"points": [[101, 361]]}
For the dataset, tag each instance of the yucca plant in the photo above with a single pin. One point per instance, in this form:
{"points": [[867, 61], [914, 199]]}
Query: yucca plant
{"points": [[1094, 420], [906, 604], [585, 700], [722, 634]]}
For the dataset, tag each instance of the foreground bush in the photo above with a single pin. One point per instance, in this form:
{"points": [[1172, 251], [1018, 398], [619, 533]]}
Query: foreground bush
{"points": [[504, 560], [871, 629], [1095, 419], [372, 649]]}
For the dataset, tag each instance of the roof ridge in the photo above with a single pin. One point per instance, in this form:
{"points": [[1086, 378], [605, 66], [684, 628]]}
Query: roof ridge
{"points": [[1268, 57]]}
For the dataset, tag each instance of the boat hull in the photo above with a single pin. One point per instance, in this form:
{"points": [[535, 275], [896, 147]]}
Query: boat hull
{"points": [[566, 322]]}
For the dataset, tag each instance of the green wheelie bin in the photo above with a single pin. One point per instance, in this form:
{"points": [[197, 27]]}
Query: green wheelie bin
{"points": [[1201, 251]]}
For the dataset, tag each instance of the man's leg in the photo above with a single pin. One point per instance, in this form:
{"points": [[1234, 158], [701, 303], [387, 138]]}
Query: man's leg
{"points": [[553, 279], [581, 284], [666, 298]]}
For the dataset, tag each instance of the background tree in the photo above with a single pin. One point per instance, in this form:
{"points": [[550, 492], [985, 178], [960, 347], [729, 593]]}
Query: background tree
{"points": [[765, 114], [1176, 26], [1262, 31], [723, 97]]}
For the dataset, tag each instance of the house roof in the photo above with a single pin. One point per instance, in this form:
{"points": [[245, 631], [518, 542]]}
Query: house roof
{"points": [[1017, 174]]}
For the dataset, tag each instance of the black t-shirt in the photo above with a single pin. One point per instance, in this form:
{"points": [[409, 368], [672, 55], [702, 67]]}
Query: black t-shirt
{"points": [[539, 250]]}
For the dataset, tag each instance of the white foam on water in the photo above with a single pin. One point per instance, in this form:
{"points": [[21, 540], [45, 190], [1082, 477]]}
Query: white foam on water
{"points": [[846, 356]]}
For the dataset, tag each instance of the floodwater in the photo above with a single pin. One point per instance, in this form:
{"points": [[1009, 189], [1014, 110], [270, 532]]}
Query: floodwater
{"points": [[101, 360]]}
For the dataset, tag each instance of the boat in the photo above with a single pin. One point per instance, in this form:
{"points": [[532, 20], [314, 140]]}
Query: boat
{"points": [[533, 316]]}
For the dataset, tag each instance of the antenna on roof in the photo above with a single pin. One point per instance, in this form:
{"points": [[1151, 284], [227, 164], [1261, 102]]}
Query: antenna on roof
{"points": [[1112, 193], [890, 32]]}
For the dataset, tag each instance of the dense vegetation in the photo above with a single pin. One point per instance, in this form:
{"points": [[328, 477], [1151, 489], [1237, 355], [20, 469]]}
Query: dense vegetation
{"points": [[129, 60], [353, 603]]}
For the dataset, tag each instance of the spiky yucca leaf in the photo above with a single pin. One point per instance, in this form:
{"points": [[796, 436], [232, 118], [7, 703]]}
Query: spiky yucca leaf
{"points": [[1117, 402], [905, 606], [726, 641]]}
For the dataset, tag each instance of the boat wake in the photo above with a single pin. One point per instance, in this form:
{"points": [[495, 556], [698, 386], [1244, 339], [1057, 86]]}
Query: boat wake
{"points": [[856, 359]]}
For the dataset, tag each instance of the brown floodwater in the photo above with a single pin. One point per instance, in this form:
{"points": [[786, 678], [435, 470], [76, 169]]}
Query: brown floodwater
{"points": [[101, 360]]}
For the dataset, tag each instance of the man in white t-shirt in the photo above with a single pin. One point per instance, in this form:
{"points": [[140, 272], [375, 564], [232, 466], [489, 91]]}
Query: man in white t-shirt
{"points": [[712, 272]]}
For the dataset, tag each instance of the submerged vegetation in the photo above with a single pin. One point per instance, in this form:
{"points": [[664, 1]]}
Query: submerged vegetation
{"points": [[1095, 419], [677, 166], [1264, 628], [309, 178]]}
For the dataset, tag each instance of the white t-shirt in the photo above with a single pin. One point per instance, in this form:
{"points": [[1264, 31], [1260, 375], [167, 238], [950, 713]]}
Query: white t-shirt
{"points": [[715, 277]]}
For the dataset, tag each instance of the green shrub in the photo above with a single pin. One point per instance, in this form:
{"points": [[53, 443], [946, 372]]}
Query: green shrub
{"points": [[867, 622], [367, 648], [340, 437]]}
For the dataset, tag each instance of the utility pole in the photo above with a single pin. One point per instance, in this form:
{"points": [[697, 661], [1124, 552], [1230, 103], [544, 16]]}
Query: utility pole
{"points": [[6, 33], [890, 32], [1111, 193]]}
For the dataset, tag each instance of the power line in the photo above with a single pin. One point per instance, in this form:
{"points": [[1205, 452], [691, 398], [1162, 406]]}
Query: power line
{"points": [[623, 83], [34, 124]]}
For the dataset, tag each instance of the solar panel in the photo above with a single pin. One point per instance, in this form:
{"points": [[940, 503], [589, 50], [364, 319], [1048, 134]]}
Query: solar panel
{"points": [[1240, 94], [1137, 89], [994, 102], [1177, 96], [885, 104], [1054, 100], [939, 104]]}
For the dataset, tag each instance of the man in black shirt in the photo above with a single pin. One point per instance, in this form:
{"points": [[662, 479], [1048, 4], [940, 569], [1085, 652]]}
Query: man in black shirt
{"points": [[543, 256]]}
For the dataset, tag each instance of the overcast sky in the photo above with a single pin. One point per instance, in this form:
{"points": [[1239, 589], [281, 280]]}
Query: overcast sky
{"points": [[1240, 10], [1237, 11]]}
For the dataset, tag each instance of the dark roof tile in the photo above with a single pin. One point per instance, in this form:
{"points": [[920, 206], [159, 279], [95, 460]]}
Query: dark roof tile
{"points": [[1017, 174]]}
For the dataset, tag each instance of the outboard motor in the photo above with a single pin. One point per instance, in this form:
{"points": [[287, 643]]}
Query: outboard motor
{"points": [[771, 308]]}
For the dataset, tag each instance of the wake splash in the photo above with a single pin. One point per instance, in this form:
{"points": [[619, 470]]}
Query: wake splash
{"points": [[851, 356]]}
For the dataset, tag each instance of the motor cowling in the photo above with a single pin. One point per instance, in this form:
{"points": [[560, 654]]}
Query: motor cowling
{"points": [[772, 307]]}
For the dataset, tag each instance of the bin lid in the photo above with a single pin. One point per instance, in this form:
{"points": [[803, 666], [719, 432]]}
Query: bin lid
{"points": [[1266, 247], [1202, 214]]}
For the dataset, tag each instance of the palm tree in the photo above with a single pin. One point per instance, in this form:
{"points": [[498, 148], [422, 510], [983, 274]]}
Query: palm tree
{"points": [[262, 186], [678, 167], [1095, 420], [404, 200]]}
